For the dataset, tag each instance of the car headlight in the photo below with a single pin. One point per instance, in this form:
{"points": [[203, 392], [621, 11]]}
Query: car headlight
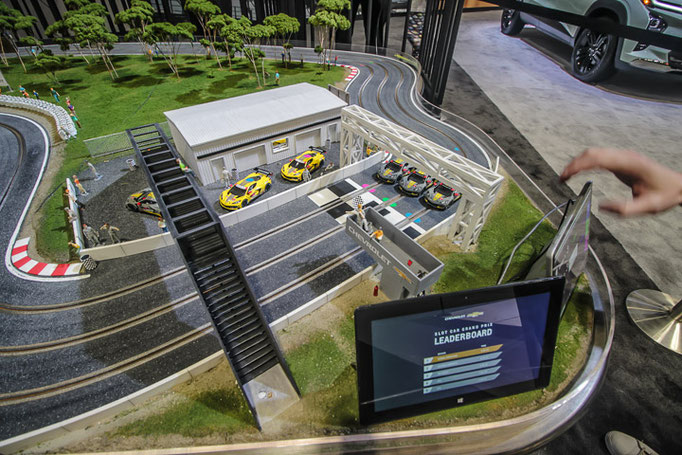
{"points": [[656, 24]]}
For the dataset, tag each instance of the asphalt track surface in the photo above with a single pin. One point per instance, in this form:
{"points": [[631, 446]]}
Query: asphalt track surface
{"points": [[69, 347]]}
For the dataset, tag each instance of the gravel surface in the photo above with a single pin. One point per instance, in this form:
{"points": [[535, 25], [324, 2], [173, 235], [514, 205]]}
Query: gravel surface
{"points": [[105, 202]]}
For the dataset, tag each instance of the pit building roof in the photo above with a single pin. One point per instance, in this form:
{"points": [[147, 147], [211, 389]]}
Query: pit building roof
{"points": [[209, 122]]}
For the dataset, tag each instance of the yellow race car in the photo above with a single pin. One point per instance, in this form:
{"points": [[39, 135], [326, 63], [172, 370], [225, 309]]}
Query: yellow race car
{"points": [[246, 190], [312, 159]]}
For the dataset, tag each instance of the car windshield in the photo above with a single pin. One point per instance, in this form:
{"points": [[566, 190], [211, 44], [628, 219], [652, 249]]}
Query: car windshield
{"points": [[297, 164], [444, 190], [393, 166], [417, 178], [238, 191]]}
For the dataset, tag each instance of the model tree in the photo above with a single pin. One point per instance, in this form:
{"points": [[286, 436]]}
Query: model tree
{"points": [[11, 21], [285, 26], [328, 18], [31, 42], [83, 23], [137, 17], [171, 35], [214, 26], [204, 10], [252, 37], [50, 63], [232, 37]]}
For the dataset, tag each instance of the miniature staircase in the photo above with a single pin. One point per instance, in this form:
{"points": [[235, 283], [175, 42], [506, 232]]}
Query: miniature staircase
{"points": [[247, 340]]}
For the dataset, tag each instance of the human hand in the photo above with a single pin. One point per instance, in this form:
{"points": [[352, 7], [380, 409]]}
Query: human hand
{"points": [[655, 188]]}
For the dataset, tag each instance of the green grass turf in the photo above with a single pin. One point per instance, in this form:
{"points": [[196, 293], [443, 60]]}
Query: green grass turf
{"points": [[139, 96], [322, 366]]}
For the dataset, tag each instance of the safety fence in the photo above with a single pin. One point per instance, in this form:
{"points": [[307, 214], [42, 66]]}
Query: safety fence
{"points": [[154, 242], [115, 143], [63, 123], [76, 219]]}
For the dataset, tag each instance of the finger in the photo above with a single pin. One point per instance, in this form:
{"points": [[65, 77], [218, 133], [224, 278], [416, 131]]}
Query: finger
{"points": [[585, 161], [614, 160], [641, 205]]}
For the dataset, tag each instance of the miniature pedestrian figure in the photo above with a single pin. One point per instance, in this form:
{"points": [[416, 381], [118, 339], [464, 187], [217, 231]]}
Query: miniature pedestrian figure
{"points": [[22, 90], [75, 120], [112, 232], [301, 60], [306, 175], [75, 246], [162, 224], [35, 93], [336, 57], [26, 95], [277, 78], [91, 235], [73, 198], [360, 214], [226, 177], [282, 57], [184, 168], [79, 186], [71, 214], [378, 234], [328, 168], [94, 171], [70, 106], [55, 94]]}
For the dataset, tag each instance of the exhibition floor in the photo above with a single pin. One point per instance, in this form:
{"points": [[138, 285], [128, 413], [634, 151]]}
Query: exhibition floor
{"points": [[543, 117]]}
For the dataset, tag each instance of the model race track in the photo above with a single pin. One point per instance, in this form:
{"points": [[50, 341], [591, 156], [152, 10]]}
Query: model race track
{"points": [[69, 347]]}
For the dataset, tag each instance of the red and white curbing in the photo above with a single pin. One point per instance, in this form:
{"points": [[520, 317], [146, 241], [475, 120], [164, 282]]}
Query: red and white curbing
{"points": [[353, 72], [23, 262]]}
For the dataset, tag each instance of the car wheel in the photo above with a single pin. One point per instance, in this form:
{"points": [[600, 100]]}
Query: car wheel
{"points": [[593, 56], [511, 23], [321, 164], [132, 207], [268, 186]]}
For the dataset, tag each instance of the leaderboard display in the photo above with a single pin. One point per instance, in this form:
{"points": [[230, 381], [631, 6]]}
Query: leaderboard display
{"points": [[473, 346]]}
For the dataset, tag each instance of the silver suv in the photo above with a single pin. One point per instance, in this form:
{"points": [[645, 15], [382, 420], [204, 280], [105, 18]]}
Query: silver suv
{"points": [[594, 54]]}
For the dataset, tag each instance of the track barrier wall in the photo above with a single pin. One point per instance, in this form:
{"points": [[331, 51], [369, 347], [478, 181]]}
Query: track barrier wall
{"points": [[119, 250], [62, 120]]}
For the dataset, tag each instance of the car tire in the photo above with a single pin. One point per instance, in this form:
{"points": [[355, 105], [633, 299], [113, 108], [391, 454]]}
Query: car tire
{"points": [[267, 187], [511, 23], [321, 164], [132, 207], [592, 59]]}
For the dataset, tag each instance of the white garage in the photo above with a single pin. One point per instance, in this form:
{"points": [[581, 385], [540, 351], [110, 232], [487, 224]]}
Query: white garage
{"points": [[250, 158], [255, 129]]}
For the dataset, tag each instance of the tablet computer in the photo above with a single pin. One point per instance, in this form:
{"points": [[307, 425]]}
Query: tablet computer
{"points": [[440, 351]]}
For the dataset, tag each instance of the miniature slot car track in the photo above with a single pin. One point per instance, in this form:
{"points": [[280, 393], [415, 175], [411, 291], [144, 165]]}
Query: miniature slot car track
{"points": [[169, 316]]}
